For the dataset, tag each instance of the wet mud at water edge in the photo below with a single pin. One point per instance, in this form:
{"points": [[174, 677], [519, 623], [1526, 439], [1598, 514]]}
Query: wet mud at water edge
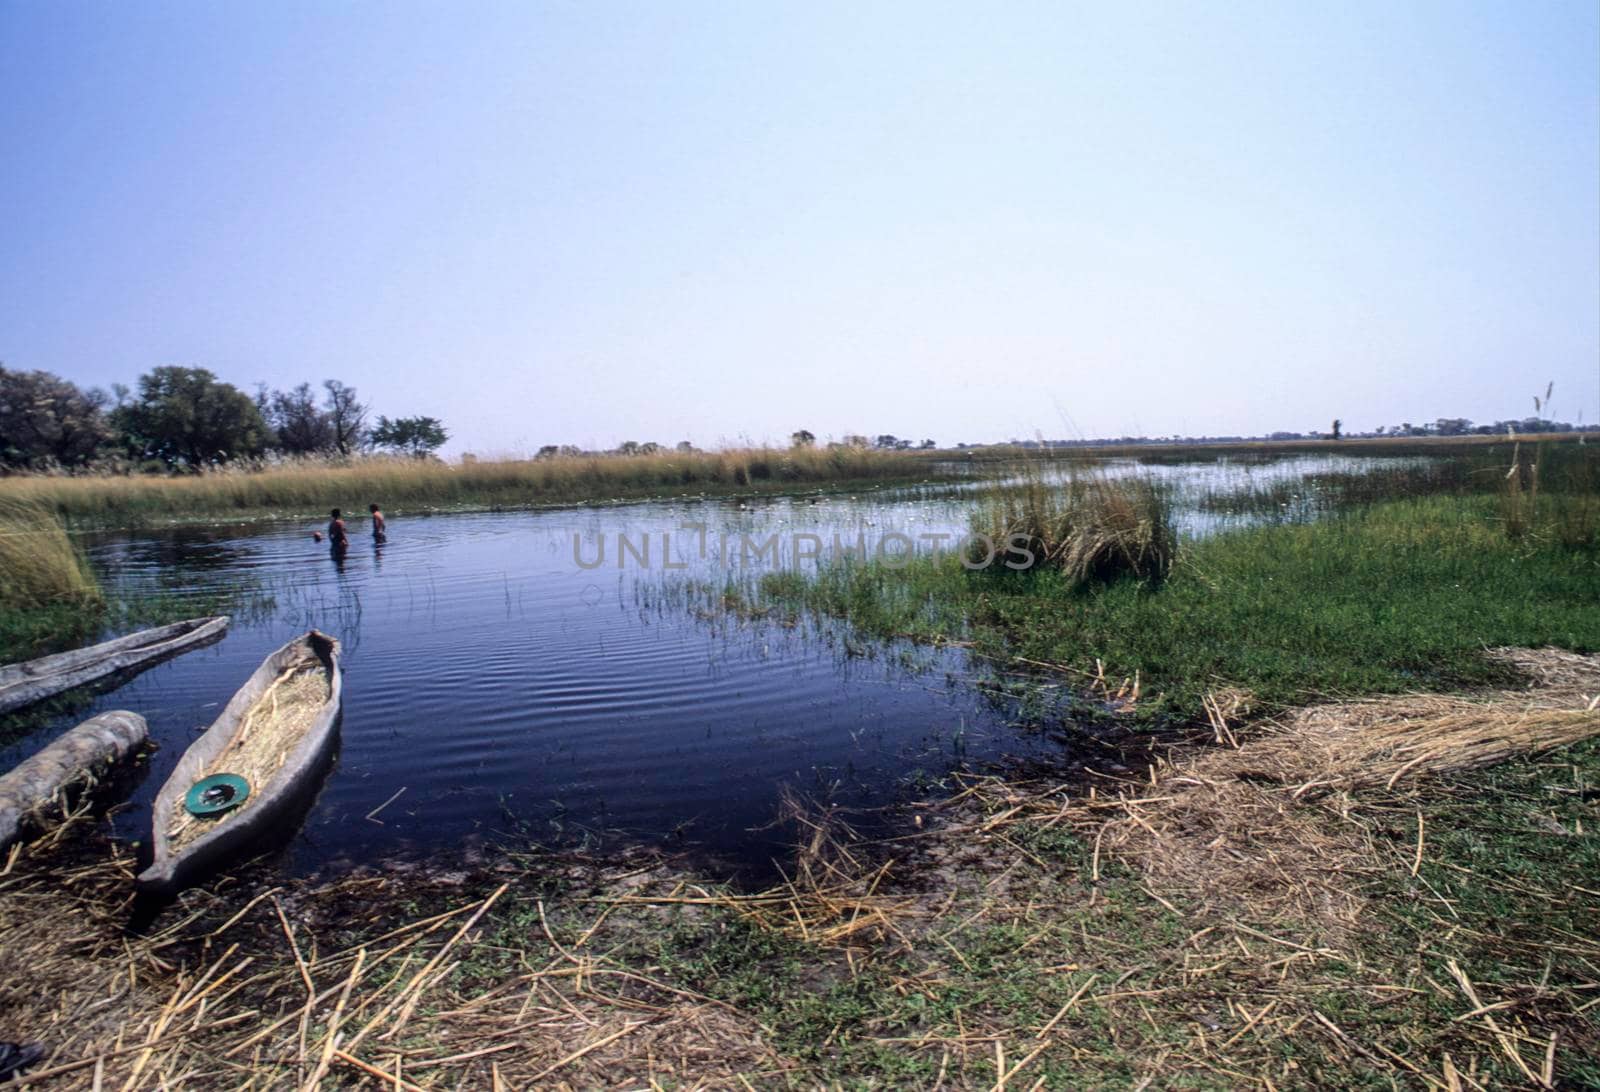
{"points": [[503, 687]]}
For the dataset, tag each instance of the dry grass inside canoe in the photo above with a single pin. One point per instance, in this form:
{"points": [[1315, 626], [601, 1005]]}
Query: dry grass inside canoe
{"points": [[267, 734]]}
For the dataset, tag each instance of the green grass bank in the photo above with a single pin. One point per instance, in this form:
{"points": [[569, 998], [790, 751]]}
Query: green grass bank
{"points": [[1388, 597]]}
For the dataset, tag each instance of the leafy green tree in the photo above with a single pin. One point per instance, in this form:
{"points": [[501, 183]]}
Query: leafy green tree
{"points": [[302, 427], [45, 419], [415, 436], [1338, 428], [347, 416], [189, 417]]}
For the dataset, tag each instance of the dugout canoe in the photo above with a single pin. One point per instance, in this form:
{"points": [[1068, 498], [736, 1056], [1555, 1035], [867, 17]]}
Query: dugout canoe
{"points": [[77, 758], [25, 683], [277, 734]]}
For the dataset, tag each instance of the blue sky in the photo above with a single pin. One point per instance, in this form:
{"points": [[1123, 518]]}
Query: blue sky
{"points": [[589, 222]]}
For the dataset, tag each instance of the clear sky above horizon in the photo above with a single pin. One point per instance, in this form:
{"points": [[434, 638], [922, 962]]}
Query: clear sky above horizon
{"points": [[590, 222]]}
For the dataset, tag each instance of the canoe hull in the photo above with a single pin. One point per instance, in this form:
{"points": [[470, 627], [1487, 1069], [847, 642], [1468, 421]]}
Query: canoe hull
{"points": [[270, 803], [26, 683]]}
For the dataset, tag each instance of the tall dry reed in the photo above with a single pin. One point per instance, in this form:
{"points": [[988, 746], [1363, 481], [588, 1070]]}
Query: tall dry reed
{"points": [[1551, 493], [39, 566], [301, 486], [1092, 527]]}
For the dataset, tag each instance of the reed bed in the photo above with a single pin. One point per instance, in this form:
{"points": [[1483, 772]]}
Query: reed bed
{"points": [[1544, 488], [313, 485], [1210, 450], [40, 564]]}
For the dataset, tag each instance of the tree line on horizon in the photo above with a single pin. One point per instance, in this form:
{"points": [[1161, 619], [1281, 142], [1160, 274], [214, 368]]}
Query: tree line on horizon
{"points": [[184, 419], [801, 438], [180, 419]]}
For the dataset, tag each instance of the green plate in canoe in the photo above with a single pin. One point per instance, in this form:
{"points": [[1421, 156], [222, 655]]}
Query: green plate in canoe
{"points": [[211, 796]]}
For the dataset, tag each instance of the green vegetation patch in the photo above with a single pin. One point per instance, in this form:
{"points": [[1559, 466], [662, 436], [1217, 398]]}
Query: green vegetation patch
{"points": [[1395, 596]]}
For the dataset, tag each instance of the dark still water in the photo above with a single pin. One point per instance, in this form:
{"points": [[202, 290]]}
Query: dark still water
{"points": [[516, 691], [515, 695]]}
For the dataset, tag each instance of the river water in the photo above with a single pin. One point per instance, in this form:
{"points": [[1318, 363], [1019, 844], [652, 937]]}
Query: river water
{"points": [[540, 675]]}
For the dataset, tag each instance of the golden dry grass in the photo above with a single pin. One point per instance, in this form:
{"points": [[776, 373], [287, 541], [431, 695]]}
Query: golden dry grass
{"points": [[41, 567], [314, 485], [246, 996], [1243, 822]]}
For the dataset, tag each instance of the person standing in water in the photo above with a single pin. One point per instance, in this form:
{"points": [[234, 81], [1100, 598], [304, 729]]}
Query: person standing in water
{"points": [[380, 529], [338, 539]]}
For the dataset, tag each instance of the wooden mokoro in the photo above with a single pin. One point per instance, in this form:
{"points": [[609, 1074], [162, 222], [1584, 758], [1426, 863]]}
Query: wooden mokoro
{"points": [[300, 745], [25, 683], [77, 757]]}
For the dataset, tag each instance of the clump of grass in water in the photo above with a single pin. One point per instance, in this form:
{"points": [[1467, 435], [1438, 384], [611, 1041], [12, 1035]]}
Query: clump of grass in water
{"points": [[1090, 529], [42, 568]]}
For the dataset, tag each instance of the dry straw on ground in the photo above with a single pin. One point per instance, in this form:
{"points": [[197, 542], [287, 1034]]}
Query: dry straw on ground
{"points": [[1257, 846], [251, 1000], [1232, 824]]}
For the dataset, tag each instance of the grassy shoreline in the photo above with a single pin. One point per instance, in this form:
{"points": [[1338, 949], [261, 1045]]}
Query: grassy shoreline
{"points": [[1395, 596], [310, 488], [51, 600], [49, 594], [1209, 925], [1182, 451]]}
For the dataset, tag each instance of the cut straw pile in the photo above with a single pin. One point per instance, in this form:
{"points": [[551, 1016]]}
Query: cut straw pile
{"points": [[1236, 824]]}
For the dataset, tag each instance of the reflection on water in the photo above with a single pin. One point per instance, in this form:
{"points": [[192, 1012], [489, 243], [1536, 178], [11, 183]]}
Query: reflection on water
{"points": [[512, 692]]}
